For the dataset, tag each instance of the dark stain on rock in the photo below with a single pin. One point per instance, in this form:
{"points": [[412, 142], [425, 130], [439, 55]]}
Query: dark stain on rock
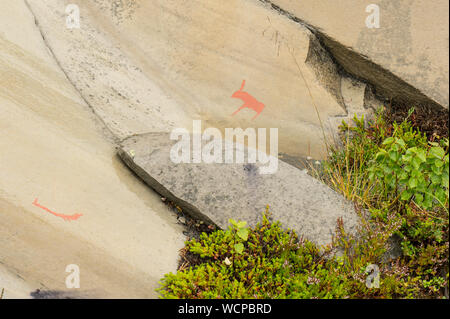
{"points": [[58, 294]]}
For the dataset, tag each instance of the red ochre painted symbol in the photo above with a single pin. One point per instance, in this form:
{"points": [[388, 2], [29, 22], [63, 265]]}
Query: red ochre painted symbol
{"points": [[65, 217], [249, 101]]}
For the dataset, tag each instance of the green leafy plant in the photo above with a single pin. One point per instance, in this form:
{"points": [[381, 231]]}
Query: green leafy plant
{"points": [[412, 168], [406, 176], [346, 168], [276, 263], [398, 179], [240, 234]]}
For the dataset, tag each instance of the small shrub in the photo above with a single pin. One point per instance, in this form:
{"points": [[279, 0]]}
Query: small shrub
{"points": [[392, 171], [411, 168], [275, 263], [395, 171]]}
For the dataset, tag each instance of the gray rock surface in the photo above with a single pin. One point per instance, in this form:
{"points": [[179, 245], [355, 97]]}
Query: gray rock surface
{"points": [[405, 59], [53, 148], [151, 66], [217, 192]]}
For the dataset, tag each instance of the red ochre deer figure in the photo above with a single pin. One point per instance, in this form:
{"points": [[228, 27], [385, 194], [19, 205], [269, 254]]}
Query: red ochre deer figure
{"points": [[65, 217], [249, 101]]}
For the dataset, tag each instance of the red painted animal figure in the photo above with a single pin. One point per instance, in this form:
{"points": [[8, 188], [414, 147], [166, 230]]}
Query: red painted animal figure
{"points": [[249, 101], [65, 217]]}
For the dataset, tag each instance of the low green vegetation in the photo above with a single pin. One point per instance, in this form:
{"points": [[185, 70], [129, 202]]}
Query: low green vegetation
{"points": [[397, 173], [398, 179]]}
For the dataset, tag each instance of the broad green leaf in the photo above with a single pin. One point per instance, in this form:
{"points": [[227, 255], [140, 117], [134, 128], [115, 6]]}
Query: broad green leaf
{"points": [[416, 162], [387, 169], [438, 163], [418, 198], [415, 173], [437, 152], [389, 180], [434, 144], [412, 183], [436, 170], [440, 194], [239, 248], [380, 156], [422, 155], [444, 182], [403, 177], [396, 147], [428, 202], [406, 195], [394, 156], [422, 185], [243, 233], [436, 179], [241, 224], [406, 158], [389, 140], [397, 169], [401, 142]]}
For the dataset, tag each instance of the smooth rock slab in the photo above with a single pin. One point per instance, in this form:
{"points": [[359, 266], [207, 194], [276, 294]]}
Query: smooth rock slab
{"points": [[151, 66], [406, 58], [217, 192]]}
